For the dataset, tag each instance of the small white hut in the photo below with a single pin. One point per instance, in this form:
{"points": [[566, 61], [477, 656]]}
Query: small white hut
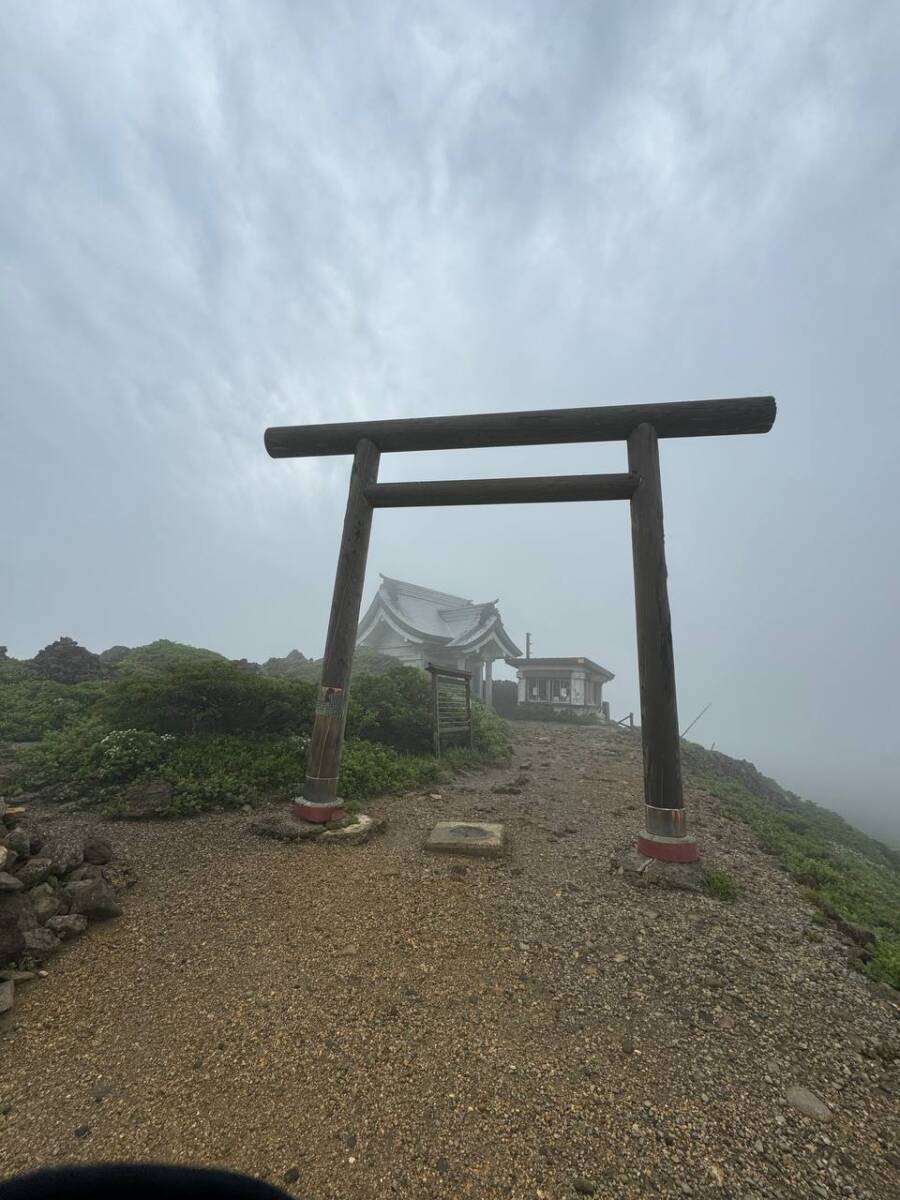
{"points": [[561, 682], [417, 626]]}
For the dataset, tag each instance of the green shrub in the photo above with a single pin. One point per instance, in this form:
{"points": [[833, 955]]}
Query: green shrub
{"points": [[163, 654], [126, 753], [490, 732], [66, 758], [720, 886], [369, 770], [30, 707], [546, 712], [193, 697], [219, 735], [393, 708]]}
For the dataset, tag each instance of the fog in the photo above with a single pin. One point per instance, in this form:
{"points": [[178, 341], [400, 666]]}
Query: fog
{"points": [[218, 217]]}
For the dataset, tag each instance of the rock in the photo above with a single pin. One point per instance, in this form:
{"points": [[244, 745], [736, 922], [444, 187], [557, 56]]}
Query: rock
{"points": [[16, 976], [883, 991], [291, 1175], [8, 858], [12, 942], [7, 995], [97, 850], [147, 798], [583, 1186], [119, 876], [808, 1103], [19, 841], [40, 943], [66, 662], [285, 828], [12, 813], [35, 871], [857, 933], [9, 883], [85, 871], [92, 898], [64, 854], [355, 831], [649, 872], [44, 903], [82, 1131]]}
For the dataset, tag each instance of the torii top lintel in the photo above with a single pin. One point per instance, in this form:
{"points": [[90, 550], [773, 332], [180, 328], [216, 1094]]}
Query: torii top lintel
{"points": [[689, 418]]}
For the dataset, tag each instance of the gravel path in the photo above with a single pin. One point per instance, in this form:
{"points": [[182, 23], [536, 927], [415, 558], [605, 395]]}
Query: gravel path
{"points": [[373, 1021]]}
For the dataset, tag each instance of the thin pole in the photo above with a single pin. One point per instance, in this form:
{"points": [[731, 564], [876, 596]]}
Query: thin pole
{"points": [[696, 719], [435, 708], [664, 836], [320, 800]]}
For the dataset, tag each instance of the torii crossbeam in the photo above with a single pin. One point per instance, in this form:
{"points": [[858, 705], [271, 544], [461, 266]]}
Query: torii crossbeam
{"points": [[665, 834]]}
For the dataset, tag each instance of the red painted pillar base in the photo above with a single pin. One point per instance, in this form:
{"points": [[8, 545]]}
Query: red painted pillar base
{"points": [[317, 814], [668, 849]]}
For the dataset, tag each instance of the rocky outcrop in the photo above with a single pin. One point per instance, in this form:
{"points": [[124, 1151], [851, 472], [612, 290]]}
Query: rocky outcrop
{"points": [[64, 661], [51, 887]]}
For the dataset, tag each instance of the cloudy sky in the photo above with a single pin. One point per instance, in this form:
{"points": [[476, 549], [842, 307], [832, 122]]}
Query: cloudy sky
{"points": [[219, 216]]}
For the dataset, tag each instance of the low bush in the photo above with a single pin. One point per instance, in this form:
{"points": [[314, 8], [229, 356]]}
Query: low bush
{"points": [[193, 697], [720, 886], [393, 708], [29, 706], [490, 733], [370, 770], [200, 732], [546, 712]]}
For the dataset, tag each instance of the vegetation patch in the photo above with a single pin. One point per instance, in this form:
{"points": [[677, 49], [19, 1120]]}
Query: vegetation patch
{"points": [[720, 886], [173, 731], [853, 878], [546, 712]]}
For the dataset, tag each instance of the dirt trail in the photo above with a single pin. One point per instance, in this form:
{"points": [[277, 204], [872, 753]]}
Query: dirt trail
{"points": [[365, 1022]]}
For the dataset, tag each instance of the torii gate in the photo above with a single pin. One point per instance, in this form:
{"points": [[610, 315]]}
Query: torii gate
{"points": [[665, 834]]}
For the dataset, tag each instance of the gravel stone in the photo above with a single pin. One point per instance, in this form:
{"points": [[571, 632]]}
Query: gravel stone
{"points": [[64, 852], [97, 850], [808, 1103], [92, 898], [40, 943], [69, 925], [19, 841]]}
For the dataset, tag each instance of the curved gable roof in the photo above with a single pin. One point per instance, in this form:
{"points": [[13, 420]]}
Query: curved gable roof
{"points": [[438, 617]]}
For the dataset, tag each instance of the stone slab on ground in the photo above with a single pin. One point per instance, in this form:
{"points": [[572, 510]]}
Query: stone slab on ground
{"points": [[480, 839]]}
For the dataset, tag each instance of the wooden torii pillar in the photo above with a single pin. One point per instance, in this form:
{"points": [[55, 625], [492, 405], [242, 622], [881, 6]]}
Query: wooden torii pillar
{"points": [[665, 833]]}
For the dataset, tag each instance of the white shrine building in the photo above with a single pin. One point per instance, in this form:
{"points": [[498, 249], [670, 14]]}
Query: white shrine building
{"points": [[418, 626], [562, 682]]}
